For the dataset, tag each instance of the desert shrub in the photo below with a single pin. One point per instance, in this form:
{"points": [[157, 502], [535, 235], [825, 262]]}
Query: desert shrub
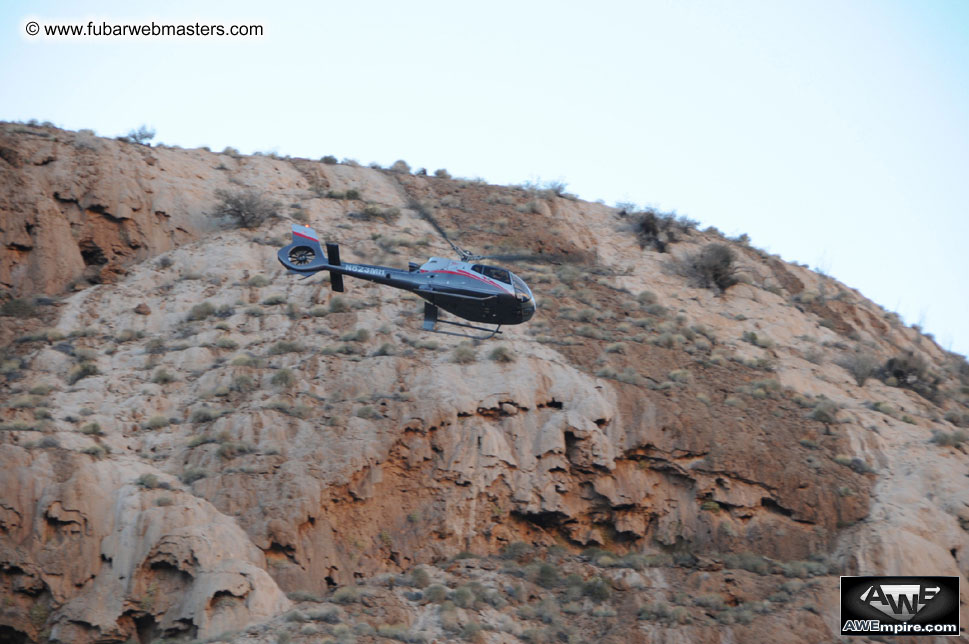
{"points": [[368, 412], [80, 371], [597, 589], [147, 481], [861, 366], [712, 267], [949, 439], [192, 474], [141, 136], [400, 166], [285, 346], [371, 212], [226, 343], [517, 550], [713, 601], [201, 311], [156, 422], [825, 411], [435, 593], [258, 281], [93, 429], [329, 159], [283, 378], [761, 341], [747, 561], [657, 229], [464, 353], [18, 308], [162, 377], [463, 596], [360, 335], [502, 354], [347, 595], [339, 305], [420, 578], [247, 209], [441, 173], [911, 372], [274, 300], [204, 415], [231, 449]]}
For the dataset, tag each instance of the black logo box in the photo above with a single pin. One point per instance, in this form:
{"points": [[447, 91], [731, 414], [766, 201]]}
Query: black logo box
{"points": [[943, 608]]}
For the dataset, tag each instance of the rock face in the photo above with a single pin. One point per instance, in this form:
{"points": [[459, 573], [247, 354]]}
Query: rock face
{"points": [[192, 438]]}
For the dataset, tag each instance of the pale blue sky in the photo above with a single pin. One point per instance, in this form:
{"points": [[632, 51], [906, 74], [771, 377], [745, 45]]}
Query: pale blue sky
{"points": [[833, 133]]}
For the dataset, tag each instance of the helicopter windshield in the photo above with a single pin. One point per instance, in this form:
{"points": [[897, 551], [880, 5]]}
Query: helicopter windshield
{"points": [[522, 291]]}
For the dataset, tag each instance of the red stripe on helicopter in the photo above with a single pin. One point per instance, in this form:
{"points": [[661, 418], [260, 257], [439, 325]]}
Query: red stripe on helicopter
{"points": [[296, 234], [471, 275]]}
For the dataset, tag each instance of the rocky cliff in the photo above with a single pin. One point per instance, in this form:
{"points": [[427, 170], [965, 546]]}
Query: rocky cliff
{"points": [[189, 435]]}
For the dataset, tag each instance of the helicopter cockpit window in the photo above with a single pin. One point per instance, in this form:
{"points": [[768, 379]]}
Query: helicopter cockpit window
{"points": [[499, 274]]}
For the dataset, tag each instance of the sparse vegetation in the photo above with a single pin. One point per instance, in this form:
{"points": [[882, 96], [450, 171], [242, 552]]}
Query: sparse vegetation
{"points": [[156, 422], [162, 377], [80, 371], [18, 308], [655, 229], [283, 378], [501, 354], [247, 209], [949, 439], [714, 267], [464, 353], [860, 365], [201, 311], [285, 346]]}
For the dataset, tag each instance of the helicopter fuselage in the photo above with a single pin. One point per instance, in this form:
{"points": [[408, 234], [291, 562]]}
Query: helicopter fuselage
{"points": [[478, 293]]}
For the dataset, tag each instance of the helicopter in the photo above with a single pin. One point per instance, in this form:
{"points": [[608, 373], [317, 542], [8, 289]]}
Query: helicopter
{"points": [[472, 291]]}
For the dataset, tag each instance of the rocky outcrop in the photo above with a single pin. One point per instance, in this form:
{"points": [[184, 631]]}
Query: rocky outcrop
{"points": [[108, 549], [174, 468]]}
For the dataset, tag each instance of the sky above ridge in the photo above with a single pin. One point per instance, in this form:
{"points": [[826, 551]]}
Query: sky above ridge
{"points": [[834, 133]]}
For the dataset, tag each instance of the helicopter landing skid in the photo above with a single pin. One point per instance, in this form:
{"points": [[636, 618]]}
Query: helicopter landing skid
{"points": [[430, 320]]}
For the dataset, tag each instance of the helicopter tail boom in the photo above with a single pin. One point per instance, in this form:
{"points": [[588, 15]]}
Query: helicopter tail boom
{"points": [[308, 238]]}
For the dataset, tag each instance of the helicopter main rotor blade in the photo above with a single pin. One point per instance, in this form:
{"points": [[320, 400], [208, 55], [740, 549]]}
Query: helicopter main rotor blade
{"points": [[426, 215], [551, 258]]}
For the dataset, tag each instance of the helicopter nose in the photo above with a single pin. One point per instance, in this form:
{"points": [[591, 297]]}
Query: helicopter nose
{"points": [[528, 310]]}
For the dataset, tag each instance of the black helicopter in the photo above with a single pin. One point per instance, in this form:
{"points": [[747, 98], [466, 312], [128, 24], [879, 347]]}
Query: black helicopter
{"points": [[472, 291]]}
